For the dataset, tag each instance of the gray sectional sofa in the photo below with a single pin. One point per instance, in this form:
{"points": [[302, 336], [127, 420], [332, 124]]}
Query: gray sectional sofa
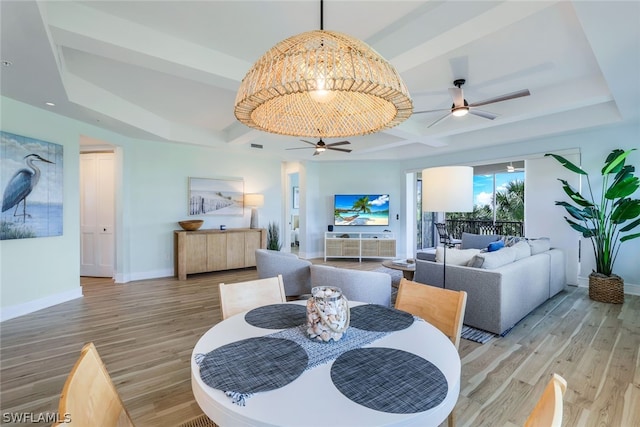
{"points": [[502, 286], [299, 276]]}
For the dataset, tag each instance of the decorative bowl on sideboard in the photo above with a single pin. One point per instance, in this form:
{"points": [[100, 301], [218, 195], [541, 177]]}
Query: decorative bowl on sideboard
{"points": [[191, 225]]}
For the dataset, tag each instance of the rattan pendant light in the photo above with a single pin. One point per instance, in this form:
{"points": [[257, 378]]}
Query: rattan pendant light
{"points": [[322, 84]]}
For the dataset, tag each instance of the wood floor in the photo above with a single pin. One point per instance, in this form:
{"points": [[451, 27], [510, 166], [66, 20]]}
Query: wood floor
{"points": [[145, 332]]}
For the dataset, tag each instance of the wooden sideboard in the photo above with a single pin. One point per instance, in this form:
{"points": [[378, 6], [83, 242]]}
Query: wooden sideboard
{"points": [[202, 251]]}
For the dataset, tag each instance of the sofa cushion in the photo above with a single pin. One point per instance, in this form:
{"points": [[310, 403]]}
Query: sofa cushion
{"points": [[455, 256], [493, 260], [522, 249], [495, 246], [427, 254], [540, 245], [477, 241]]}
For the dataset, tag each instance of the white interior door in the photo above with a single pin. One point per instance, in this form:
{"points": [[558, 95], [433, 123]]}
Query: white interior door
{"points": [[542, 217], [97, 214]]}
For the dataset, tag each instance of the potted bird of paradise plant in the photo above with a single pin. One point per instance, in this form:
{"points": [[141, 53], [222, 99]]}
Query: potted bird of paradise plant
{"points": [[606, 221]]}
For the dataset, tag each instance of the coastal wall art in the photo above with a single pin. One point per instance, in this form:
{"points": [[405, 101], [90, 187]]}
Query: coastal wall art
{"points": [[31, 180], [216, 196]]}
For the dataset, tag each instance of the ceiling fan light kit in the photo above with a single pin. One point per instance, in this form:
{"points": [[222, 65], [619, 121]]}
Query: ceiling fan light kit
{"points": [[322, 84]]}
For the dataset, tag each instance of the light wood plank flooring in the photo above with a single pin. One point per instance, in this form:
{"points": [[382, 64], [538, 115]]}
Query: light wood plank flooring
{"points": [[145, 331]]}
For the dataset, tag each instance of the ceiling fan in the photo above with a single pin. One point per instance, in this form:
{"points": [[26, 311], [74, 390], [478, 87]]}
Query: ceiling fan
{"points": [[461, 107], [320, 146], [512, 168]]}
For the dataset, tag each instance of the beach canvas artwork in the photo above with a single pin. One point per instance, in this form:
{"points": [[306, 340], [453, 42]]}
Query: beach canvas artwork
{"points": [[361, 209], [31, 182], [209, 196]]}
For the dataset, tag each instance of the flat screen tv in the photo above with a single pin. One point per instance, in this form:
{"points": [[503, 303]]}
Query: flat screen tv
{"points": [[361, 209]]}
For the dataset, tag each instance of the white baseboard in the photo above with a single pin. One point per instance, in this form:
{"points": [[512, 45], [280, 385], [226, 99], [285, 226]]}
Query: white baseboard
{"points": [[38, 304], [157, 274], [629, 288]]}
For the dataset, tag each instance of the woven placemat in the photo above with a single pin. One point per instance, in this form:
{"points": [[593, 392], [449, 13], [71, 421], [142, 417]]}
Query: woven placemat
{"points": [[253, 365], [389, 380], [373, 317], [277, 316]]}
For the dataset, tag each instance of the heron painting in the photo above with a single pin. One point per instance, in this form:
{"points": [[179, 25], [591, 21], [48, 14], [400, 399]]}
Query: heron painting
{"points": [[31, 180]]}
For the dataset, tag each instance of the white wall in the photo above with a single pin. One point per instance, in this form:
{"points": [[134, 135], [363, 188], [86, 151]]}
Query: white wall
{"points": [[152, 186], [375, 177]]}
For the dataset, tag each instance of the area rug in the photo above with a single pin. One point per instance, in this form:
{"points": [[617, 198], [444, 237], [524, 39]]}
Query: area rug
{"points": [[476, 335]]}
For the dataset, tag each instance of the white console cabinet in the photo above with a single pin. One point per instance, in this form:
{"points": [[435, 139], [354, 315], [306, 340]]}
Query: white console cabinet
{"points": [[359, 245]]}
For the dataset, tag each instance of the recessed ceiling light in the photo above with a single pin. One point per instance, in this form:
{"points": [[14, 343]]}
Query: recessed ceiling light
{"points": [[50, 104]]}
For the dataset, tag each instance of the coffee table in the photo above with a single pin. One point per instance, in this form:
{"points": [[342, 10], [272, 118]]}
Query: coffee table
{"points": [[407, 270]]}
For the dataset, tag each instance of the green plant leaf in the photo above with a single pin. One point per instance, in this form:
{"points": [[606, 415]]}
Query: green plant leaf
{"points": [[573, 194], [630, 226], [614, 160], [627, 209], [629, 237], [623, 188], [567, 164], [586, 232], [573, 211]]}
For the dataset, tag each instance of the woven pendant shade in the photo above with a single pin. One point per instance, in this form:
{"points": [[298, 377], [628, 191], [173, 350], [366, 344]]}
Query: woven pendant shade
{"points": [[322, 84]]}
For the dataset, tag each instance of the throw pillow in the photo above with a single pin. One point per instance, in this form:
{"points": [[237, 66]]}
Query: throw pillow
{"points": [[522, 249], [475, 262], [477, 241], [456, 256], [540, 245], [494, 246], [512, 240], [493, 260]]}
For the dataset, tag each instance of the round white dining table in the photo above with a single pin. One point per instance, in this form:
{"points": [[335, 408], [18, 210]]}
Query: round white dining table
{"points": [[312, 399]]}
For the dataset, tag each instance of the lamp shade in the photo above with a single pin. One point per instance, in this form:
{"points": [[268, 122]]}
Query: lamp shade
{"points": [[254, 200], [322, 84], [447, 189]]}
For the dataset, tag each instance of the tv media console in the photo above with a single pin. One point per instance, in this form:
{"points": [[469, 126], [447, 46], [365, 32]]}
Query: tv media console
{"points": [[359, 245]]}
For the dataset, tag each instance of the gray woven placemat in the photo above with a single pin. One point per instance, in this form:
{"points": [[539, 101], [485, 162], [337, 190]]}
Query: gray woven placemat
{"points": [[389, 380], [277, 316], [253, 365], [373, 317]]}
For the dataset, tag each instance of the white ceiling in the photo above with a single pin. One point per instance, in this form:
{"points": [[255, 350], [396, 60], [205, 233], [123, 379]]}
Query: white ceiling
{"points": [[169, 70]]}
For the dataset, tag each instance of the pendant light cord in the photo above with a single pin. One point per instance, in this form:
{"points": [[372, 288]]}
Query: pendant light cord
{"points": [[321, 15]]}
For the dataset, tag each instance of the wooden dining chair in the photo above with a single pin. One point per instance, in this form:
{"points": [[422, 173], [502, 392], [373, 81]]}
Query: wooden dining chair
{"points": [[443, 308], [89, 397], [548, 410], [242, 296]]}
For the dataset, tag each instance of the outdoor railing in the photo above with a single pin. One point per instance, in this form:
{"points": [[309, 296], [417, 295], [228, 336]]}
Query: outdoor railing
{"points": [[456, 227]]}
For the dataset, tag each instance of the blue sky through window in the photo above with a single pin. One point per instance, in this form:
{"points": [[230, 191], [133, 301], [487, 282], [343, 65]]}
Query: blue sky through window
{"points": [[483, 186]]}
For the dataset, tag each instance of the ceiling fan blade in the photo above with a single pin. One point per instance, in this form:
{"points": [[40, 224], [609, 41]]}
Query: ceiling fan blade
{"points": [[338, 143], [316, 153], [432, 111], [456, 95], [439, 120], [482, 113], [339, 149], [300, 148], [308, 142], [508, 96]]}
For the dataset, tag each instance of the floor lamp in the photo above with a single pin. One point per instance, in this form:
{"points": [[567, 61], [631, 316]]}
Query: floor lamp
{"points": [[447, 189]]}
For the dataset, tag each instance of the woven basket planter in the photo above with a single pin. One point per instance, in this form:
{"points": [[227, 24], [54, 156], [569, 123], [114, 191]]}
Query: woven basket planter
{"points": [[608, 289]]}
